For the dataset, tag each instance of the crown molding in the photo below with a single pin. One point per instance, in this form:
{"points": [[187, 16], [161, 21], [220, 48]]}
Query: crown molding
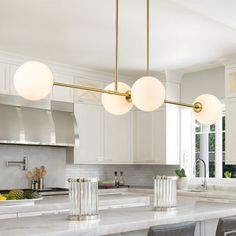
{"points": [[56, 67]]}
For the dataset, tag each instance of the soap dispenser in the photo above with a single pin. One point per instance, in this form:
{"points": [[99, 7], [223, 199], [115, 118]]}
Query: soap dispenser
{"points": [[116, 180]]}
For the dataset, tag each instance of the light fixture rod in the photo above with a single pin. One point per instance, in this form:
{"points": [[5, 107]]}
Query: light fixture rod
{"points": [[179, 103], [117, 45], [197, 107], [148, 32], [77, 86]]}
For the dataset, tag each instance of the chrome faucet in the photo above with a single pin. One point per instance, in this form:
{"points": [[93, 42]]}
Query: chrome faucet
{"points": [[204, 184], [23, 163]]}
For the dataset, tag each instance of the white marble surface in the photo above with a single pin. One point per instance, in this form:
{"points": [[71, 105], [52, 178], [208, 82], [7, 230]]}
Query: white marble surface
{"points": [[114, 221], [61, 204]]}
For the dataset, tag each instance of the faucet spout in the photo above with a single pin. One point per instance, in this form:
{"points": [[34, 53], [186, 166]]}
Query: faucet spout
{"points": [[204, 185]]}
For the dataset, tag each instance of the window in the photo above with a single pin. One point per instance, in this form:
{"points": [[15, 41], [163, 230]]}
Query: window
{"points": [[210, 146], [205, 147]]}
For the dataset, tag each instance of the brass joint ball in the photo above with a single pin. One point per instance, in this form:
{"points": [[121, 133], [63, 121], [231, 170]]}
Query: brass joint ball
{"points": [[128, 96], [197, 107]]}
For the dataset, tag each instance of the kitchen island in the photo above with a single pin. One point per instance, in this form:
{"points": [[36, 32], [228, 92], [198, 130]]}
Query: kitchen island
{"points": [[60, 204], [122, 221]]}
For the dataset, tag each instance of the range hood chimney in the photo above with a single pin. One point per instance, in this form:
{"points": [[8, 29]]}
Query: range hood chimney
{"points": [[43, 122]]}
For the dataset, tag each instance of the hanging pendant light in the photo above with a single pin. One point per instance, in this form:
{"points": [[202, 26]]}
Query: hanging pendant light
{"points": [[117, 105], [33, 80], [148, 93], [209, 109]]}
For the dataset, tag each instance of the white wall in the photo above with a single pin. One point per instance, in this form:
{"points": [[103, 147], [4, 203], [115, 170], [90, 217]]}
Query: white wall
{"points": [[207, 81]]}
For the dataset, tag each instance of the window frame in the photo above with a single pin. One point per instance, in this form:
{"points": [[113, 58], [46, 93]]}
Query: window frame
{"points": [[218, 148]]}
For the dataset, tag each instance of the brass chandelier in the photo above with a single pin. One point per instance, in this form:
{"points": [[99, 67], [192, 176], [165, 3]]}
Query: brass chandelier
{"points": [[34, 80]]}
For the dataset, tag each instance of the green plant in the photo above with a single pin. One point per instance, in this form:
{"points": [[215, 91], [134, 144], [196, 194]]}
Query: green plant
{"points": [[228, 174], [180, 173]]}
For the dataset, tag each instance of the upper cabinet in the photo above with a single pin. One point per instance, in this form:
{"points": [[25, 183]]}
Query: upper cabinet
{"points": [[143, 137], [118, 138], [156, 136], [90, 124], [12, 72], [4, 79], [61, 93]]}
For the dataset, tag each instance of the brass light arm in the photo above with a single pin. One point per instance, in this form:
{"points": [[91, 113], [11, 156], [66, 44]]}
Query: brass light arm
{"points": [[77, 86], [197, 107]]}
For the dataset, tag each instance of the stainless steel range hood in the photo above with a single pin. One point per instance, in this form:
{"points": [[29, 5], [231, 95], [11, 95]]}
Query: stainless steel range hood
{"points": [[44, 122]]}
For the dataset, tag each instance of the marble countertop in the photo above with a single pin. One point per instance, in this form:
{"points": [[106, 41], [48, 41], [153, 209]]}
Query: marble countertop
{"points": [[58, 204], [114, 221]]}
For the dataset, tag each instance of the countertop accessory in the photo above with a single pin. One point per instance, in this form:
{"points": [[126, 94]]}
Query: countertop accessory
{"points": [[116, 180], [20, 202], [83, 194], [121, 179], [164, 193], [23, 163]]}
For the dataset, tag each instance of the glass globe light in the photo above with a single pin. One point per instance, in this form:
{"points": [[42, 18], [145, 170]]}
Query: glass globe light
{"points": [[148, 93], [33, 80], [115, 104], [211, 109]]}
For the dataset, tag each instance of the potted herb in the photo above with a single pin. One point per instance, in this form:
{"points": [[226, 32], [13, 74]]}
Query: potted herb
{"points": [[182, 182], [228, 174]]}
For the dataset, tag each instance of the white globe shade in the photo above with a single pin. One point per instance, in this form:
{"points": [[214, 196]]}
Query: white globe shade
{"points": [[33, 80], [211, 109], [115, 104], [148, 93]]}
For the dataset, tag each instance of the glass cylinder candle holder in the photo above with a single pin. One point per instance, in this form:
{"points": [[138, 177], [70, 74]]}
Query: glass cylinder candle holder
{"points": [[83, 194], [164, 193]]}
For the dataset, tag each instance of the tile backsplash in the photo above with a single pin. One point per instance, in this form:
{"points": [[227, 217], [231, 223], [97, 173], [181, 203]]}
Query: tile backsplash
{"points": [[53, 158], [135, 175]]}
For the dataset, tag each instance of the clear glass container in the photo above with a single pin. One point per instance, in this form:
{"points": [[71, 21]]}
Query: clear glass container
{"points": [[164, 193], [83, 194]]}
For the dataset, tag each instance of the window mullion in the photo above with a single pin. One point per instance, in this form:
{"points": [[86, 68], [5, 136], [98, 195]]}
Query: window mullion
{"points": [[218, 150]]}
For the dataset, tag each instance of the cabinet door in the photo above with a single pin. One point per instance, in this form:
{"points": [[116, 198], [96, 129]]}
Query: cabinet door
{"points": [[159, 136], [4, 79], [230, 132], [13, 69], [143, 137], [118, 138], [89, 119], [62, 93]]}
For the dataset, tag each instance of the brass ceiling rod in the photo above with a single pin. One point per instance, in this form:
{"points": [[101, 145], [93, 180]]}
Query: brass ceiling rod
{"points": [[117, 44], [148, 33]]}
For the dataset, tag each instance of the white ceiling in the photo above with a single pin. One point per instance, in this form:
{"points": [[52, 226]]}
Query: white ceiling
{"points": [[184, 33]]}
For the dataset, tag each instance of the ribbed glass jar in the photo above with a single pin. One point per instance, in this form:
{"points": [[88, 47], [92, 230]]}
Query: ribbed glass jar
{"points": [[83, 194], [164, 193]]}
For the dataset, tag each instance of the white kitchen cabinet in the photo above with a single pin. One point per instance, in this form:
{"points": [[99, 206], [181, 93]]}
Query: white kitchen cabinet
{"points": [[61, 93], [230, 131], [143, 137], [156, 136], [90, 124], [4, 81], [13, 69], [118, 138]]}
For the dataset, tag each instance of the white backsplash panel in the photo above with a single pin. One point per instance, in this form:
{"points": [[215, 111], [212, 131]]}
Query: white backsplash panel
{"points": [[134, 175], [53, 158]]}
